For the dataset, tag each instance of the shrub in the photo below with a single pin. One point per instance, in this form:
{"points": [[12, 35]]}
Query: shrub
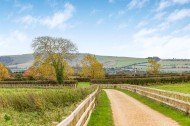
{"points": [[38, 82], [142, 81], [43, 99]]}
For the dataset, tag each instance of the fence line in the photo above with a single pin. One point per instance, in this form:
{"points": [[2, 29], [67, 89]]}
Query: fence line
{"points": [[37, 85], [80, 116], [174, 99]]}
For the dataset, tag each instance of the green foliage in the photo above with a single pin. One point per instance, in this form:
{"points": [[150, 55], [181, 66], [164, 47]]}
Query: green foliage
{"points": [[38, 107], [154, 67], [142, 81], [82, 79], [38, 82], [102, 115], [31, 101], [7, 117], [178, 116]]}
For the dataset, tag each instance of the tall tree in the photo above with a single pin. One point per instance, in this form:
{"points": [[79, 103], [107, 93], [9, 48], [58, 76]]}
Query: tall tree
{"points": [[4, 72], [91, 67], [55, 51], [154, 67]]}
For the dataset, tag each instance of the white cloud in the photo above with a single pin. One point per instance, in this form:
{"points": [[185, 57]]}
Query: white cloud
{"points": [[159, 15], [122, 26], [164, 4], [28, 19], [100, 21], [145, 32], [141, 24], [95, 11], [178, 15], [167, 3], [23, 7], [164, 46], [181, 1], [16, 41], [136, 4], [57, 20], [121, 12]]}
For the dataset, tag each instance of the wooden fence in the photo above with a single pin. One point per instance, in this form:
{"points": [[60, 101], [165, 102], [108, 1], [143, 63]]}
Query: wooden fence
{"points": [[174, 99], [81, 115], [37, 85]]}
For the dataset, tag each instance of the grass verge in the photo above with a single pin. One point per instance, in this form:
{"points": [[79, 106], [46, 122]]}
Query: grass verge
{"points": [[102, 115], [176, 115]]}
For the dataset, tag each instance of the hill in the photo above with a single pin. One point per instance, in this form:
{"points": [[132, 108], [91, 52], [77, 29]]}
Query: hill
{"points": [[112, 64], [25, 60]]}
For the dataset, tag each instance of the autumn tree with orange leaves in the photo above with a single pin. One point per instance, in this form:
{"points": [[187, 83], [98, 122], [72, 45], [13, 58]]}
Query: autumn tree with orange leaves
{"points": [[154, 67], [4, 72], [54, 52], [91, 67], [46, 71]]}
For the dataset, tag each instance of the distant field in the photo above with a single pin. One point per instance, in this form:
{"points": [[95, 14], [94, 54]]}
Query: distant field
{"points": [[83, 84], [183, 88]]}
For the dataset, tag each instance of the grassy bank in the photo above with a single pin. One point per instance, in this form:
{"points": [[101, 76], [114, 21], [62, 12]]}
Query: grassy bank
{"points": [[180, 117], [102, 115], [182, 87], [34, 107]]}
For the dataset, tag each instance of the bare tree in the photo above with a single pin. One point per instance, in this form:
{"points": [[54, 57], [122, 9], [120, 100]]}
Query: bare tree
{"points": [[54, 50]]}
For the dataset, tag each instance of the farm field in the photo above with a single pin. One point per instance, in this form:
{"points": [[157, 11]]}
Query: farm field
{"points": [[38, 106], [181, 87]]}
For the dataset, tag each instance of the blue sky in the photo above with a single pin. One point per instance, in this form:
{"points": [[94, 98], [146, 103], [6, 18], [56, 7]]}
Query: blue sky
{"points": [[131, 28]]}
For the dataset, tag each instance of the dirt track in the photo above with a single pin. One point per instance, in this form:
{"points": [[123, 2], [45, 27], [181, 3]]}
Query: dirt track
{"points": [[129, 112]]}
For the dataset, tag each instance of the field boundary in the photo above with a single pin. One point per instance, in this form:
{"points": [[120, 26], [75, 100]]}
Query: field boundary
{"points": [[177, 100], [81, 115], [37, 85]]}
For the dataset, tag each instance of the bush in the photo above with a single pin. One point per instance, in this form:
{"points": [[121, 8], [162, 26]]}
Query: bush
{"points": [[31, 100], [82, 79], [38, 82], [142, 81]]}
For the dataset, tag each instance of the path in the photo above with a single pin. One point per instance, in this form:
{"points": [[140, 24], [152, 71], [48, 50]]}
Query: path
{"points": [[127, 111]]}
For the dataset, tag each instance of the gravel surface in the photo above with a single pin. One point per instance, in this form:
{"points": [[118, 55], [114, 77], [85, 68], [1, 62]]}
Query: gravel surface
{"points": [[127, 111]]}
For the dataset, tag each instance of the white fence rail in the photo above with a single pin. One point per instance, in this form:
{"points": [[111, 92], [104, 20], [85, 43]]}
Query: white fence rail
{"points": [[81, 115], [174, 99]]}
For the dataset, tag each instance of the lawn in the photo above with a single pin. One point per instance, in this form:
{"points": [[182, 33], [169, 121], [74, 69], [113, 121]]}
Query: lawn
{"points": [[183, 88], [102, 115], [176, 115], [38, 107]]}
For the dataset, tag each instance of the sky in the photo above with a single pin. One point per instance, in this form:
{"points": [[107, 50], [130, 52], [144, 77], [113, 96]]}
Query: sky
{"points": [[130, 28]]}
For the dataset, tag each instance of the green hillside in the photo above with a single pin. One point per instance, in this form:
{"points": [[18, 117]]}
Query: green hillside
{"points": [[108, 61], [119, 64]]}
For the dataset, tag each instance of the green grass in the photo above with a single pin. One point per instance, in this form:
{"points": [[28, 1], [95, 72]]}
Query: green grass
{"points": [[180, 117], [183, 88], [38, 107], [102, 115], [83, 84]]}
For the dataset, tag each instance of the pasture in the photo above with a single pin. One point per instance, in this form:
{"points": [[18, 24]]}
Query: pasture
{"points": [[38, 106], [179, 87]]}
